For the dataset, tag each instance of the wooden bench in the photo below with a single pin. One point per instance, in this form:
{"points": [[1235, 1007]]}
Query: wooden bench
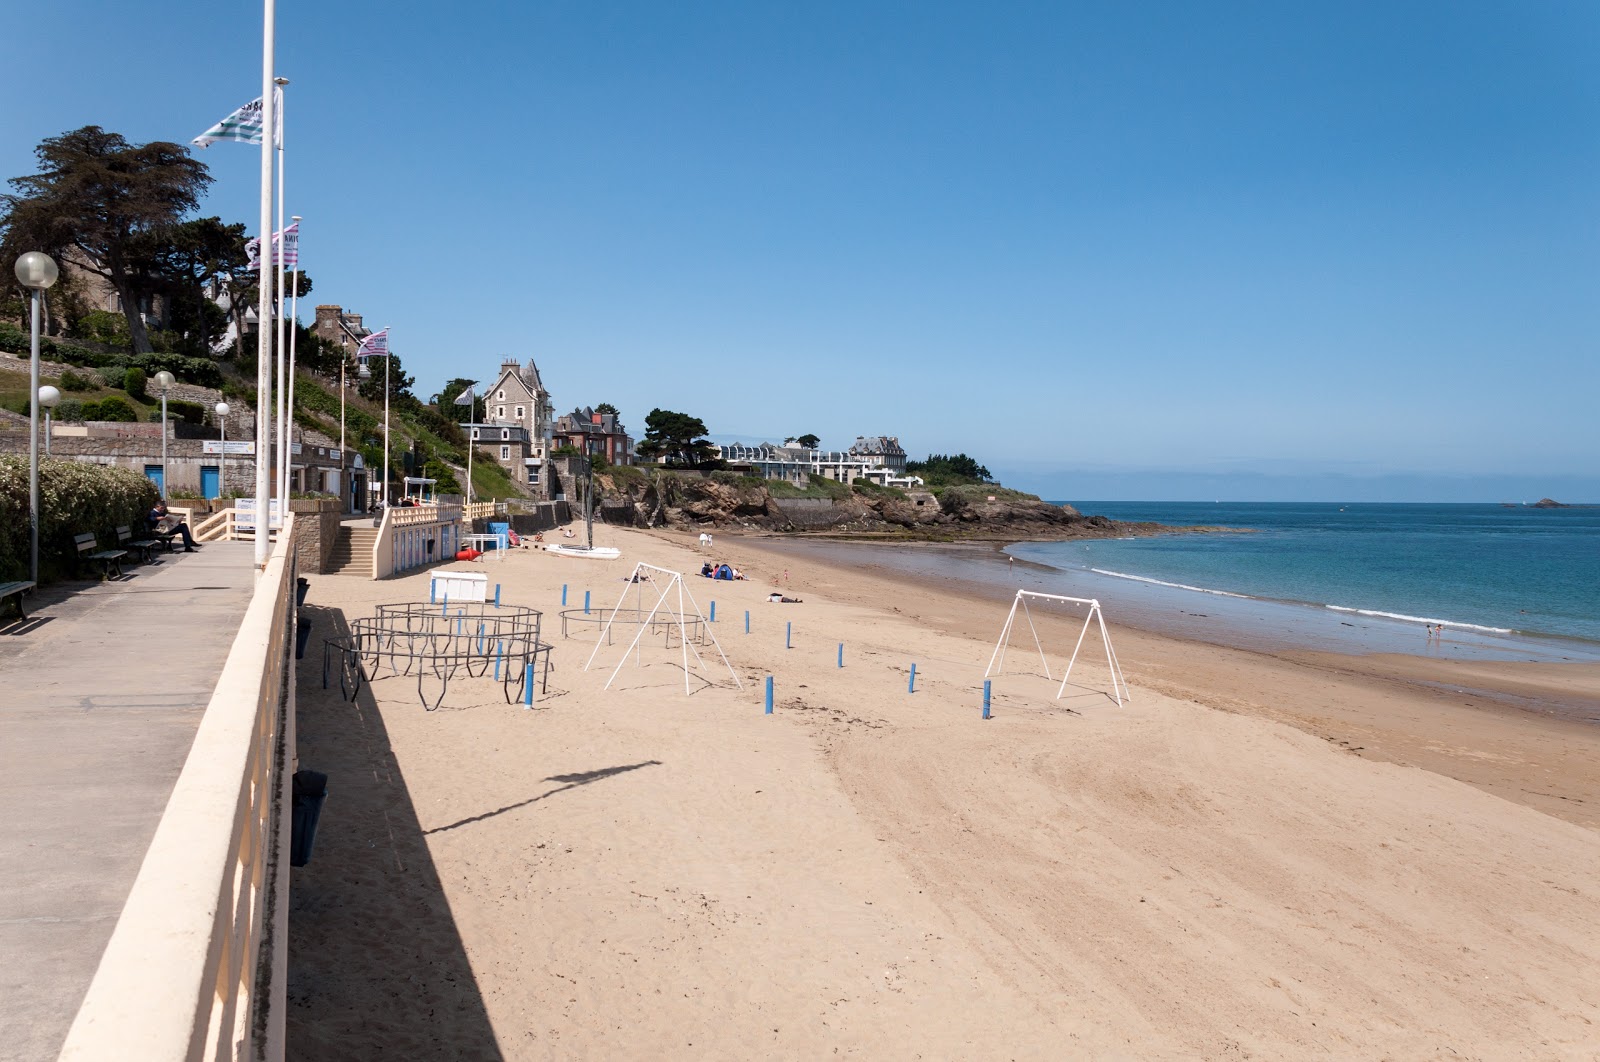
{"points": [[16, 590], [145, 546], [110, 560]]}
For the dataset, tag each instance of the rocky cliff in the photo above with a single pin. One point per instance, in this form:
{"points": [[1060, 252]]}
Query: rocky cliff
{"points": [[723, 500]]}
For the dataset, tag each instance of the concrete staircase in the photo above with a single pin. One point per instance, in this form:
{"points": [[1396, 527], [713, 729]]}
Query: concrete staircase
{"points": [[352, 552]]}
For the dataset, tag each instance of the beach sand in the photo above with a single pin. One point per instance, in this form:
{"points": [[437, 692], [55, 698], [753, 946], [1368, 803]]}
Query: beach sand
{"points": [[1256, 856]]}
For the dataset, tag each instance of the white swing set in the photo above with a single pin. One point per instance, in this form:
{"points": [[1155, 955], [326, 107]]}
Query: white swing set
{"points": [[1119, 684], [646, 574]]}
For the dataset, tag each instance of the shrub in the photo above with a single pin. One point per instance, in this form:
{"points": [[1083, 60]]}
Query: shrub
{"points": [[114, 375], [69, 409], [113, 408], [134, 382], [71, 381], [188, 412], [103, 326], [74, 497]]}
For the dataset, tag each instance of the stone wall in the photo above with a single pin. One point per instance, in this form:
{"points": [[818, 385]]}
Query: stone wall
{"points": [[316, 530]]}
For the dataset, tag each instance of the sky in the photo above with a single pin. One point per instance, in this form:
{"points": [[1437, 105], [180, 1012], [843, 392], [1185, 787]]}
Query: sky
{"points": [[1249, 251]]}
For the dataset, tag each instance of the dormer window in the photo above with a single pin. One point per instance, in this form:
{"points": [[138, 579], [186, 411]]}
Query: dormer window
{"points": [[505, 433]]}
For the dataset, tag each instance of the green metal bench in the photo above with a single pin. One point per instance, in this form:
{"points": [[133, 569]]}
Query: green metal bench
{"points": [[16, 590], [145, 546], [110, 560]]}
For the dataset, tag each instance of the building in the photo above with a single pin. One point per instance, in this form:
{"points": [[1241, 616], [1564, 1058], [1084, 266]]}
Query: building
{"points": [[595, 434], [517, 425], [872, 460], [336, 326]]}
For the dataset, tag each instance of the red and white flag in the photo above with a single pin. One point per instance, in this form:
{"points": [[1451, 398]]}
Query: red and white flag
{"points": [[286, 246], [375, 346]]}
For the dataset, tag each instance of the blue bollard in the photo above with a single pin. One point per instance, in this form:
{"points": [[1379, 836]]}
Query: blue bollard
{"points": [[788, 635], [586, 602], [563, 595], [769, 694], [841, 654], [480, 639], [713, 617], [499, 651], [444, 608], [496, 595], [527, 687], [747, 621], [431, 591], [911, 687], [986, 698]]}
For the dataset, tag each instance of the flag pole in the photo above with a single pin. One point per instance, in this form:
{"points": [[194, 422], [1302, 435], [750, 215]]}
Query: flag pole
{"points": [[294, 331], [277, 254], [264, 303], [386, 429], [343, 358]]}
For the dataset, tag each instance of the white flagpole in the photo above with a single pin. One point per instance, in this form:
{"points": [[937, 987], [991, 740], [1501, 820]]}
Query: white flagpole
{"points": [[386, 357], [469, 452], [283, 386], [264, 304], [294, 310], [343, 357]]}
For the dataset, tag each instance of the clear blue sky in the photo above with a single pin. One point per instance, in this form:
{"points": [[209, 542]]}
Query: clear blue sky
{"points": [[1176, 250]]}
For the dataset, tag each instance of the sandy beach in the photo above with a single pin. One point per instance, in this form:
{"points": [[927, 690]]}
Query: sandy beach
{"points": [[1257, 856]]}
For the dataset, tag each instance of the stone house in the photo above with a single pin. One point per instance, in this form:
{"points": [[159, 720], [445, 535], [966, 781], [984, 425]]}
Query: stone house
{"points": [[517, 425], [595, 434]]}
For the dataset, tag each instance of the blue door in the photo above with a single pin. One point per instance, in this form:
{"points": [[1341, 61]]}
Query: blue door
{"points": [[154, 472], [210, 481]]}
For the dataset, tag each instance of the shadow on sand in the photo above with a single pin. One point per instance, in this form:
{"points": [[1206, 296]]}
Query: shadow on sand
{"points": [[377, 968]]}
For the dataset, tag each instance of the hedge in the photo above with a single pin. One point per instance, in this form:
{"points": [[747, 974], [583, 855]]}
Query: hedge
{"points": [[74, 497], [202, 371]]}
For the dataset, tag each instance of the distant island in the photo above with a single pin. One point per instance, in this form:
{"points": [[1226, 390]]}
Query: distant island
{"points": [[1549, 503]]}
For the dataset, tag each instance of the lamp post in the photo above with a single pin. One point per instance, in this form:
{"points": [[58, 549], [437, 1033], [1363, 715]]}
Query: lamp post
{"points": [[222, 459], [48, 397], [164, 380], [36, 272]]}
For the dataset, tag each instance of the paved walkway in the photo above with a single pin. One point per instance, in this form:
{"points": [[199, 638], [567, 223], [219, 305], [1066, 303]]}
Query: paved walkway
{"points": [[100, 697]]}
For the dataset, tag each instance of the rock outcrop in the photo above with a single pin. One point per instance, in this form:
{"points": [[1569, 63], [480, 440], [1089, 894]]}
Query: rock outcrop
{"points": [[723, 500]]}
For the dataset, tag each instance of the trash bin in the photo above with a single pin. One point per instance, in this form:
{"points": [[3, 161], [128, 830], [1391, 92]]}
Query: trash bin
{"points": [[310, 790]]}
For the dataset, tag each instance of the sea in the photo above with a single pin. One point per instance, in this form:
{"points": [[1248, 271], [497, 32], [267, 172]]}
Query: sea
{"points": [[1504, 581]]}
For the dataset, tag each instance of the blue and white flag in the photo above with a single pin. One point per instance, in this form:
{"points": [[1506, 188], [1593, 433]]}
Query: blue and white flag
{"points": [[245, 124], [466, 398]]}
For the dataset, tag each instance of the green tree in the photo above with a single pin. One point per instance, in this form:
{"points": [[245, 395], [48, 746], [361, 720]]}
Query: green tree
{"points": [[399, 383], [452, 391], [95, 196], [810, 442], [134, 382], [675, 436], [949, 469], [607, 407]]}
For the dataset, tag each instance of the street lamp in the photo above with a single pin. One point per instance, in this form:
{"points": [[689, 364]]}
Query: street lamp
{"points": [[36, 272], [48, 397], [222, 460], [164, 381]]}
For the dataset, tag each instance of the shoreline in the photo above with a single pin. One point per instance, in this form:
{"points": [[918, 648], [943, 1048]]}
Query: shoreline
{"points": [[644, 863], [1389, 706]]}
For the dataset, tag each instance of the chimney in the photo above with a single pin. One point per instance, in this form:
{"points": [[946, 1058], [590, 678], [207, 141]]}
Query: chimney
{"points": [[594, 418]]}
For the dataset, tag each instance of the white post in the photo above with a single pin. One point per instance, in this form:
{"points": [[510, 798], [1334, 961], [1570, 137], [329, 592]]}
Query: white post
{"points": [[294, 309], [470, 432], [33, 443], [283, 387], [222, 460], [264, 304], [386, 430], [47, 433], [343, 357], [165, 489]]}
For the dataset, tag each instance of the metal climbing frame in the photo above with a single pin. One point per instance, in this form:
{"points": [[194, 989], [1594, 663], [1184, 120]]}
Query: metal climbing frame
{"points": [[437, 642]]}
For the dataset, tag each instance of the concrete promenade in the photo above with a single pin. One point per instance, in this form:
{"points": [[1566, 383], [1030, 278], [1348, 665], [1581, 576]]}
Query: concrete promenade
{"points": [[100, 697]]}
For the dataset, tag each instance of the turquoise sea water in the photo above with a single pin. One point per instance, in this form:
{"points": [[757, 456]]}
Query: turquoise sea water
{"points": [[1482, 570]]}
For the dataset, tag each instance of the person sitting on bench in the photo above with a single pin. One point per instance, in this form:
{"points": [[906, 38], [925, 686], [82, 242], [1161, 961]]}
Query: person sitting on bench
{"points": [[164, 525]]}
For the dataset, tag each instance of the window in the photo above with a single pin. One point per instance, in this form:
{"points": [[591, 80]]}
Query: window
{"points": [[500, 411], [533, 475], [500, 396], [505, 433], [474, 434], [520, 412], [505, 453]]}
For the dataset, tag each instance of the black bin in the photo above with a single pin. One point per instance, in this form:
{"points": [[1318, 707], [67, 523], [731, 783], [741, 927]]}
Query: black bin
{"points": [[310, 790]]}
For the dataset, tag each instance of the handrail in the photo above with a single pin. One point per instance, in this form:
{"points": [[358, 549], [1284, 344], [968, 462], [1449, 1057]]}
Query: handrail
{"points": [[196, 967], [218, 526]]}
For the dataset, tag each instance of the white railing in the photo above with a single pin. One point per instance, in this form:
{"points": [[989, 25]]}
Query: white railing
{"points": [[219, 526], [197, 965], [412, 536]]}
